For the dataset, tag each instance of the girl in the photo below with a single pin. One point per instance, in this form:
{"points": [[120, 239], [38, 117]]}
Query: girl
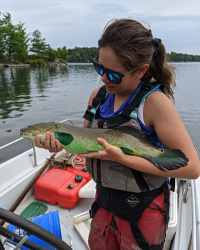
{"points": [[131, 209]]}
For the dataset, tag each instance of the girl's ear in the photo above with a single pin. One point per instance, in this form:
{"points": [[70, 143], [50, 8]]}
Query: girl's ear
{"points": [[143, 70]]}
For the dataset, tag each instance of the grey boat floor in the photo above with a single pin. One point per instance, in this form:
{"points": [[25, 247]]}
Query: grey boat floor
{"points": [[69, 233]]}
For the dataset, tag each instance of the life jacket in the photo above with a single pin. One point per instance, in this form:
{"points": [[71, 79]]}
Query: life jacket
{"points": [[121, 190], [112, 174]]}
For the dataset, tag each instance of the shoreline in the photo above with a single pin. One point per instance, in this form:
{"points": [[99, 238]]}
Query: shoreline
{"points": [[7, 65], [50, 64]]}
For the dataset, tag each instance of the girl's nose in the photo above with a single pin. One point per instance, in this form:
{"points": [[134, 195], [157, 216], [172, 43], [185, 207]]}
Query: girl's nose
{"points": [[105, 78]]}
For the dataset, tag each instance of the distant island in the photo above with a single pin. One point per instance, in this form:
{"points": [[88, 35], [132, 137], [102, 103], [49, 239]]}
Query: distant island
{"points": [[18, 48]]}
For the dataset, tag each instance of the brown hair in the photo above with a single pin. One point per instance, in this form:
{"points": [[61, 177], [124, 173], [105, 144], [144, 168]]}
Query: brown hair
{"points": [[135, 46]]}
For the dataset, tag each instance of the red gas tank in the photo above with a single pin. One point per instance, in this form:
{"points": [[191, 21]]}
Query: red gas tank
{"points": [[79, 171], [61, 186]]}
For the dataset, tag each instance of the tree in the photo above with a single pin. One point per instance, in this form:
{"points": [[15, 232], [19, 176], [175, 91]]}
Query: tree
{"points": [[62, 53], [179, 57], [82, 54], [13, 39], [21, 49], [52, 54], [5, 21], [38, 45], [10, 40]]}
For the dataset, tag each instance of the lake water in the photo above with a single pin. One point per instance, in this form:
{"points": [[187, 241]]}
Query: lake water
{"points": [[32, 95]]}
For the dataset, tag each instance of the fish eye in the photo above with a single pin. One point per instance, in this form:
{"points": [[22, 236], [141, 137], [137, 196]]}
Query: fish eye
{"points": [[161, 150]]}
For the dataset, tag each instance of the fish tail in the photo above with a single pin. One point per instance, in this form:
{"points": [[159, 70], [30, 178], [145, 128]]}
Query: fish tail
{"points": [[170, 159]]}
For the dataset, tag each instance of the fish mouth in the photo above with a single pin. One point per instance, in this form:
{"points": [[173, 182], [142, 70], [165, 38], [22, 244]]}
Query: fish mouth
{"points": [[27, 136]]}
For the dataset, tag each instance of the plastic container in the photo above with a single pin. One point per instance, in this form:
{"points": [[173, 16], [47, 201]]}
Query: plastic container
{"points": [[83, 172], [49, 221], [61, 186], [88, 191]]}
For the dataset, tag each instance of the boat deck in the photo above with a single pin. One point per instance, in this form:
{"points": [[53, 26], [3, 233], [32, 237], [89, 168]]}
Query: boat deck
{"points": [[69, 233], [17, 173], [78, 240]]}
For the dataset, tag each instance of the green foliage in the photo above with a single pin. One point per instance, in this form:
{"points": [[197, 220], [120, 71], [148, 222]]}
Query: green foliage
{"points": [[10, 41], [179, 57], [51, 54], [15, 62], [35, 62], [21, 49], [82, 54], [62, 53], [3, 23], [38, 45], [13, 39]]}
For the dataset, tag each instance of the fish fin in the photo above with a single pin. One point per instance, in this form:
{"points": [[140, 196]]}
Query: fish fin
{"points": [[171, 159], [127, 150], [64, 138], [134, 132]]}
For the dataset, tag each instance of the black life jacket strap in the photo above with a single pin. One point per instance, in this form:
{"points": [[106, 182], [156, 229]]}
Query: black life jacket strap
{"points": [[145, 89], [94, 208], [141, 182], [137, 234], [142, 242], [172, 184], [98, 170], [90, 113], [117, 121], [165, 189], [89, 116]]}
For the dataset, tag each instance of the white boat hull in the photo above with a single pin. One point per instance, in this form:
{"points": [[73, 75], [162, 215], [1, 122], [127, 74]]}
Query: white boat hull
{"points": [[17, 173]]}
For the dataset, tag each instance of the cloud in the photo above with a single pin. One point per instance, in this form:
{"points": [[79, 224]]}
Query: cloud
{"points": [[80, 23]]}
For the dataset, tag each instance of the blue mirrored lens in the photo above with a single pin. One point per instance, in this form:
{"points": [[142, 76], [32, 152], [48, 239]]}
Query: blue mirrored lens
{"points": [[99, 69], [113, 77]]}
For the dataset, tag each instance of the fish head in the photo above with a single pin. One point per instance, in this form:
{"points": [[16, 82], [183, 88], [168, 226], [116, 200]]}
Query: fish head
{"points": [[31, 131]]}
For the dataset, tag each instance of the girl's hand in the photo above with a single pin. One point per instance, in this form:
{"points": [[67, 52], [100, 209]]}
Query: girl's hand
{"points": [[50, 143], [111, 153]]}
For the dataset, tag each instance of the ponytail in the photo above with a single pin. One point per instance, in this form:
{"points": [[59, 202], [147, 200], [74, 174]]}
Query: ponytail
{"points": [[159, 70]]}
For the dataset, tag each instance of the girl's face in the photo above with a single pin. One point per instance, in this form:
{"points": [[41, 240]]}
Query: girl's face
{"points": [[109, 60]]}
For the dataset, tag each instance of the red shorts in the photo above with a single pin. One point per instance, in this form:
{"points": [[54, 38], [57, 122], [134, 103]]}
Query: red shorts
{"points": [[104, 237]]}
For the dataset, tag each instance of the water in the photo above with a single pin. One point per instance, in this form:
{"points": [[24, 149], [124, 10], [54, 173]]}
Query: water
{"points": [[32, 95]]}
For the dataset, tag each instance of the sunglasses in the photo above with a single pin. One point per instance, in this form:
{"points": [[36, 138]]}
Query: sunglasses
{"points": [[111, 75]]}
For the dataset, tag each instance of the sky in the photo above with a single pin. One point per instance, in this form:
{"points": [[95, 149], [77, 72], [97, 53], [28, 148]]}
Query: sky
{"points": [[80, 23]]}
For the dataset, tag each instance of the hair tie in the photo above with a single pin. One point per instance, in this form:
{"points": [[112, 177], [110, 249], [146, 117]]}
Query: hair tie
{"points": [[157, 46]]}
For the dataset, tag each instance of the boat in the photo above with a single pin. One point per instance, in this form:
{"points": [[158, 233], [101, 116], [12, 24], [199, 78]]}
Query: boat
{"points": [[19, 175]]}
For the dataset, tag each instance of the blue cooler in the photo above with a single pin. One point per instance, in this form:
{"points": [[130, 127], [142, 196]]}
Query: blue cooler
{"points": [[49, 221]]}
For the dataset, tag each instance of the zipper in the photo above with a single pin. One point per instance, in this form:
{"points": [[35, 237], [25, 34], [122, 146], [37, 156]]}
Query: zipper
{"points": [[158, 208]]}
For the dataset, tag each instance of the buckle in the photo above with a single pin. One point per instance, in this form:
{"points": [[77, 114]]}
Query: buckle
{"points": [[142, 242]]}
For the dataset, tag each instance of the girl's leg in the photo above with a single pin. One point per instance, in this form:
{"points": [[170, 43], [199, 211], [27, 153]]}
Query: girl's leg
{"points": [[101, 236]]}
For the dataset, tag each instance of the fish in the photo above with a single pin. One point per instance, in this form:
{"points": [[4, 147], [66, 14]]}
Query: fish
{"points": [[80, 140]]}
